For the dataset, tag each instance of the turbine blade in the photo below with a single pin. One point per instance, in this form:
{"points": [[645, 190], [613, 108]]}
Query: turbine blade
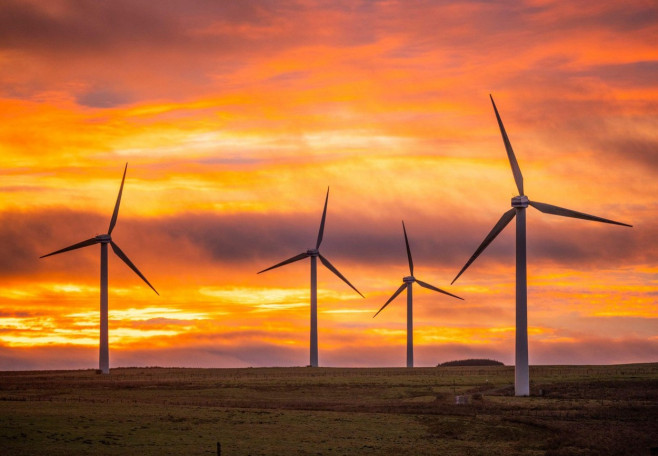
{"points": [[301, 256], [395, 295], [555, 210], [130, 264], [335, 271], [502, 223], [411, 263], [432, 287], [79, 245], [518, 177], [115, 214], [324, 216]]}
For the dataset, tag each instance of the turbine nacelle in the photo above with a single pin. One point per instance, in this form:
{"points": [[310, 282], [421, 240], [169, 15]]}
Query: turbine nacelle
{"points": [[103, 238], [409, 279], [313, 252], [520, 201]]}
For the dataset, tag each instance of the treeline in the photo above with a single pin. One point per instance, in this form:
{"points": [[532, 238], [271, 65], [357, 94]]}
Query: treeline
{"points": [[471, 362]]}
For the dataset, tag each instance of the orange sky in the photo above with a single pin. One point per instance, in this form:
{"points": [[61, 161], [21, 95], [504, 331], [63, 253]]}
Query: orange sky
{"points": [[234, 118]]}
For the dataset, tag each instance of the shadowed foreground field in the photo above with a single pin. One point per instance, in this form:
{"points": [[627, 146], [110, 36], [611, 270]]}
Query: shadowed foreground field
{"points": [[582, 410]]}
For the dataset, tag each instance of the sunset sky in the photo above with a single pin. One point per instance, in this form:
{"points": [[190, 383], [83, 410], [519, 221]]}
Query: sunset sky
{"points": [[235, 117]]}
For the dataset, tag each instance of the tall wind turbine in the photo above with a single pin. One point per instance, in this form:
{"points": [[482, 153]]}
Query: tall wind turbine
{"points": [[314, 254], [103, 240], [407, 282], [519, 204]]}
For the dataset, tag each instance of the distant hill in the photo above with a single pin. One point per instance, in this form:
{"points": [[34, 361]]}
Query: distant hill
{"points": [[471, 362]]}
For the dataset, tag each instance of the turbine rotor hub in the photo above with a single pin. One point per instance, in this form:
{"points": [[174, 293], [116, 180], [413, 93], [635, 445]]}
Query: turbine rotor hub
{"points": [[520, 201], [104, 238], [409, 279], [313, 252]]}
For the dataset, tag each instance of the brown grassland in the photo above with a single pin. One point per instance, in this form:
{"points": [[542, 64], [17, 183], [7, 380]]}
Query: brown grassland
{"points": [[573, 410]]}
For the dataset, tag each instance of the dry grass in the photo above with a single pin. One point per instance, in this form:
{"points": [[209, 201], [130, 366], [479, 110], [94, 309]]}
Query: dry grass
{"points": [[588, 410]]}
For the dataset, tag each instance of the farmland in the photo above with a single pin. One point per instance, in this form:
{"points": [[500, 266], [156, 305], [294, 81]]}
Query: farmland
{"points": [[582, 410]]}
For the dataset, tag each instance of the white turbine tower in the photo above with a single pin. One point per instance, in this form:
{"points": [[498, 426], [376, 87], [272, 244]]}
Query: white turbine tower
{"points": [[314, 254], [519, 204], [103, 240], [407, 282]]}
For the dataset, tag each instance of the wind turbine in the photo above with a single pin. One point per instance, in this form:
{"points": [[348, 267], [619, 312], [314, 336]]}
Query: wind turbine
{"points": [[519, 204], [103, 240], [407, 282], [314, 254]]}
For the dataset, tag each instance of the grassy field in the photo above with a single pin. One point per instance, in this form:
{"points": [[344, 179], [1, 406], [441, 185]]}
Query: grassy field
{"points": [[574, 410]]}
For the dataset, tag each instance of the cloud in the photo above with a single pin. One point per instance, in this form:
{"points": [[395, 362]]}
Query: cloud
{"points": [[632, 140], [48, 358], [173, 50], [588, 351], [103, 98], [24, 237], [261, 239], [143, 50], [70, 26], [633, 74]]}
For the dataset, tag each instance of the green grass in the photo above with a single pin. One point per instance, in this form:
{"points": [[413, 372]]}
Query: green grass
{"points": [[588, 410]]}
